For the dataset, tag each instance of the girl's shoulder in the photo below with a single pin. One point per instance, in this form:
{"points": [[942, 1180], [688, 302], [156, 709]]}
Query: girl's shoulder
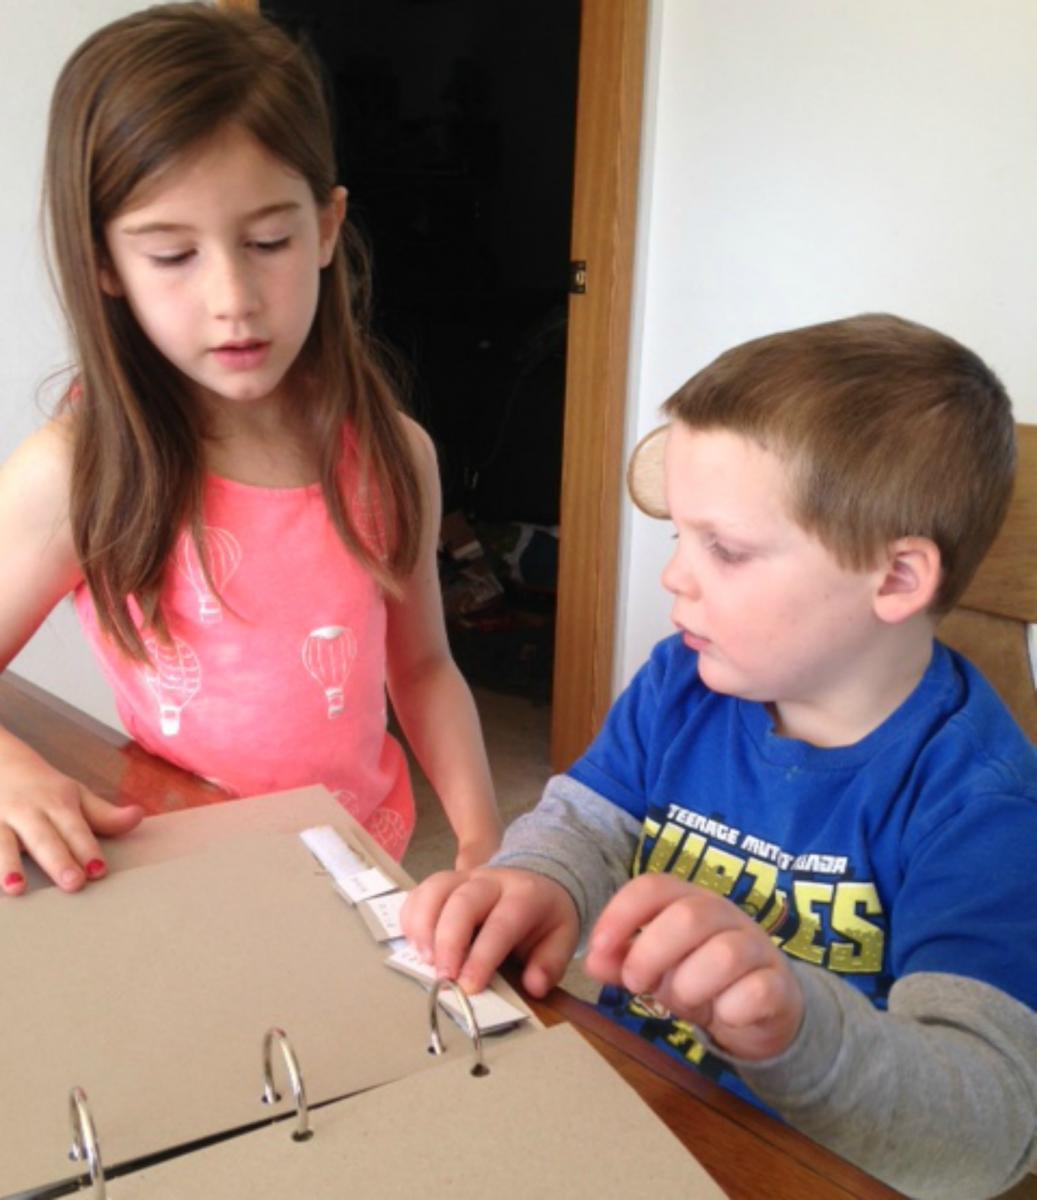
{"points": [[39, 471], [422, 450]]}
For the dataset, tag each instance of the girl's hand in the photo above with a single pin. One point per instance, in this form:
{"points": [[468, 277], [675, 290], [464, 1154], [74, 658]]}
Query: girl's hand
{"points": [[53, 819], [702, 958], [466, 923], [478, 849]]}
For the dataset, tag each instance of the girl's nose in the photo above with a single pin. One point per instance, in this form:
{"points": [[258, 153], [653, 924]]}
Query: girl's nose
{"points": [[232, 292]]}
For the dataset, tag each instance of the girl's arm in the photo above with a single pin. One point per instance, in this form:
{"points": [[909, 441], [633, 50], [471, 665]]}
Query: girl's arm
{"points": [[42, 812], [430, 697]]}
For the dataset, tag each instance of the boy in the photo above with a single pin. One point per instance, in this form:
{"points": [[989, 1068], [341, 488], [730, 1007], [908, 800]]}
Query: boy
{"points": [[847, 793]]}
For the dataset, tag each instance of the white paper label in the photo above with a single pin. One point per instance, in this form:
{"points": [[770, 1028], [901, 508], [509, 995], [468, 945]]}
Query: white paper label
{"points": [[385, 913]]}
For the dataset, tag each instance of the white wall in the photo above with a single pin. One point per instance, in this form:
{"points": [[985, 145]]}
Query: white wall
{"points": [[802, 160], [37, 39], [811, 159]]}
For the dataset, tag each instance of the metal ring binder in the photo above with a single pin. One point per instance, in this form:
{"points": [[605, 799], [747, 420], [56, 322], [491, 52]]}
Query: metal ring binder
{"points": [[271, 1095], [84, 1140], [436, 1042]]}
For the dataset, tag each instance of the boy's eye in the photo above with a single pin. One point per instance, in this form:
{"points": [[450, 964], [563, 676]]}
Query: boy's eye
{"points": [[721, 552]]}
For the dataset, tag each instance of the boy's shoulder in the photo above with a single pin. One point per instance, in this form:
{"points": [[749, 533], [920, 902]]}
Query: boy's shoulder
{"points": [[975, 738]]}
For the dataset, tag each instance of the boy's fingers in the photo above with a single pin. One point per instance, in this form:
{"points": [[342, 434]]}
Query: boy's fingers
{"points": [[703, 974], [622, 919], [12, 877], [422, 908], [685, 930], [546, 962], [634, 905], [465, 910], [534, 916], [506, 926]]}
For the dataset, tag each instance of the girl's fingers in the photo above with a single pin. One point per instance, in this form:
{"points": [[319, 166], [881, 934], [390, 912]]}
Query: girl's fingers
{"points": [[12, 877], [109, 820], [42, 841], [71, 825]]}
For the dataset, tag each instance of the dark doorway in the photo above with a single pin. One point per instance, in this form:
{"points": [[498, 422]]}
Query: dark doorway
{"points": [[455, 126]]}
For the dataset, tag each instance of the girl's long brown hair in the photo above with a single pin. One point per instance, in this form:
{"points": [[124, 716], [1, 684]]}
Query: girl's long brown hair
{"points": [[129, 102]]}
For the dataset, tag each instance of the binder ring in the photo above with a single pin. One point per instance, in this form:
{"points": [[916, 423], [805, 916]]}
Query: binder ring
{"points": [[303, 1132], [84, 1140], [436, 1042]]}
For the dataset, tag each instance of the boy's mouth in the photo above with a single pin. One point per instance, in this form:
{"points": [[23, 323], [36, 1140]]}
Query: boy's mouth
{"points": [[693, 641]]}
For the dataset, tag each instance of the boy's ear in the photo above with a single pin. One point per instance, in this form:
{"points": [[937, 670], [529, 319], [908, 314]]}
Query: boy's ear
{"points": [[331, 217], [910, 578]]}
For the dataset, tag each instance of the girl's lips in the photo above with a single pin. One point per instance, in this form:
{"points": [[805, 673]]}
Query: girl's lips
{"points": [[694, 642], [244, 357]]}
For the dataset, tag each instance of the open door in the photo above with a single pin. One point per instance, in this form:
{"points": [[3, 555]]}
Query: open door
{"points": [[608, 135]]}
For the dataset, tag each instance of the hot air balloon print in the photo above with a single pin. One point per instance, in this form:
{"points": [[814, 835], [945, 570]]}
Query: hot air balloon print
{"points": [[328, 655], [174, 675], [223, 551], [389, 830]]}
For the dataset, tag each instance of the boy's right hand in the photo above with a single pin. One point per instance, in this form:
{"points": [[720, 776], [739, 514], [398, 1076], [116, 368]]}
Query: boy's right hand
{"points": [[465, 923], [53, 819]]}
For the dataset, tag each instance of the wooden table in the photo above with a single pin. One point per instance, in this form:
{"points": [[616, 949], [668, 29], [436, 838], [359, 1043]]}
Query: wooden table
{"points": [[751, 1156]]}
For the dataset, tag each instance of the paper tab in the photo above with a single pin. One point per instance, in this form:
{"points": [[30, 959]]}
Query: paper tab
{"points": [[381, 915], [492, 1012], [330, 850], [364, 885]]}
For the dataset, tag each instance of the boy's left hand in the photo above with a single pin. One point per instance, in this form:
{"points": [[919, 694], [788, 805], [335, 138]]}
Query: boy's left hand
{"points": [[703, 958]]}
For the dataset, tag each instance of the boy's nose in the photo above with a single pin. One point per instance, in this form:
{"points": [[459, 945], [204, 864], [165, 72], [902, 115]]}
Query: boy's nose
{"points": [[678, 578]]}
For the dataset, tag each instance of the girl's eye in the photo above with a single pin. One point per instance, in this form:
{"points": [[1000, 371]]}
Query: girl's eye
{"points": [[171, 260], [271, 246]]}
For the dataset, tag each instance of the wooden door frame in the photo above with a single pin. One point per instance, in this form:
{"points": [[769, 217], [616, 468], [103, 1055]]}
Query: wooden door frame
{"points": [[613, 39]]}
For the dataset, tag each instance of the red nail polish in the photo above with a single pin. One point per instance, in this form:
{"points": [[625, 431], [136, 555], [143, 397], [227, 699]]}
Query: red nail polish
{"points": [[14, 879], [95, 868]]}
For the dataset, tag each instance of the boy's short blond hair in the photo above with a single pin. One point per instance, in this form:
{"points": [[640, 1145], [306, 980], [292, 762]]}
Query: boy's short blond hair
{"points": [[890, 430]]}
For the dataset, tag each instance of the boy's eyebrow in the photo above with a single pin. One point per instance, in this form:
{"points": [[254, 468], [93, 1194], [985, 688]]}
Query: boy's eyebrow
{"points": [[268, 210]]}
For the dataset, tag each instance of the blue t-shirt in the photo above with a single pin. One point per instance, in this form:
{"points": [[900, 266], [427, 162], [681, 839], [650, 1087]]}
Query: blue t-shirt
{"points": [[912, 850]]}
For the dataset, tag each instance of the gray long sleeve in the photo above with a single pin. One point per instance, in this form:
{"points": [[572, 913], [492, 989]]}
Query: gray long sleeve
{"points": [[937, 1097]]}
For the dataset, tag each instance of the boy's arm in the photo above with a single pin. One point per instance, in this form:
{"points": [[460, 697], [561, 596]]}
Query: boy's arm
{"points": [[577, 838], [431, 699], [938, 1097], [557, 868]]}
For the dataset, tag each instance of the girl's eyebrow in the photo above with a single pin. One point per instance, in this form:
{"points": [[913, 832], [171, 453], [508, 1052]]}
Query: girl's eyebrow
{"points": [[268, 210]]}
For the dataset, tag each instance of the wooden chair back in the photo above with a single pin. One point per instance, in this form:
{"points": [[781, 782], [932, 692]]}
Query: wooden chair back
{"points": [[995, 622]]}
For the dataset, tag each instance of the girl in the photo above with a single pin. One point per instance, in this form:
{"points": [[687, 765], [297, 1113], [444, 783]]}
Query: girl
{"points": [[247, 522]]}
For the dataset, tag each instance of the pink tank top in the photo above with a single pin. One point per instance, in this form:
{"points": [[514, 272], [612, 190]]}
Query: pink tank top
{"points": [[275, 678]]}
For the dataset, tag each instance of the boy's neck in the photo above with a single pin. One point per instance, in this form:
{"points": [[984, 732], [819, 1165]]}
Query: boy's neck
{"points": [[866, 695]]}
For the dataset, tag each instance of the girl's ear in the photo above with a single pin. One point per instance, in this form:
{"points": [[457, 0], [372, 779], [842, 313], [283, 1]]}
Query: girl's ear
{"points": [[330, 219], [910, 579], [109, 280]]}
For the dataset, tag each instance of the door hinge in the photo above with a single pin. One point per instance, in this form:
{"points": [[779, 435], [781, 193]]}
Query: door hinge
{"points": [[578, 276]]}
